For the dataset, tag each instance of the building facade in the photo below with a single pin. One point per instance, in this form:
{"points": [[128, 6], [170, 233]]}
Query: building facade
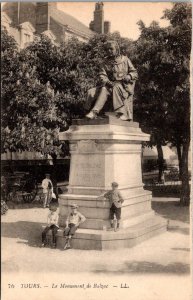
{"points": [[25, 20]]}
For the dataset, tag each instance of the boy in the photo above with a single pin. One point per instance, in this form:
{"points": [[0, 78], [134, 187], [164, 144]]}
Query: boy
{"points": [[116, 201], [74, 219], [52, 223], [47, 190]]}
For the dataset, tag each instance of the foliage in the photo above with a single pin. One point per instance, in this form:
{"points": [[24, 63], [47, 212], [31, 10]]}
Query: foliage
{"points": [[29, 120], [163, 91], [44, 85]]}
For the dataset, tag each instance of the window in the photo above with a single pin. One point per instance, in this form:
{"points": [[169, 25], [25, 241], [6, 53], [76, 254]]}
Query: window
{"points": [[26, 38]]}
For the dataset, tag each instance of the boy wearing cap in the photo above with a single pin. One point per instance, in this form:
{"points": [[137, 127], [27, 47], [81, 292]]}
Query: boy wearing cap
{"points": [[116, 201], [47, 190], [52, 224], [74, 219]]}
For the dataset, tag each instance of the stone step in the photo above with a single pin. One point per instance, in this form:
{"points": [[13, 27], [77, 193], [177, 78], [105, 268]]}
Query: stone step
{"points": [[102, 213], [89, 239], [93, 201], [100, 224], [126, 190]]}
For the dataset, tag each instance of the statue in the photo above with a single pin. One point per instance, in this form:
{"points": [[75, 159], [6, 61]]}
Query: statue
{"points": [[117, 81]]}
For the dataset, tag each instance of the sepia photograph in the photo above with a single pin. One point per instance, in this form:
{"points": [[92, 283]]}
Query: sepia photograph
{"points": [[96, 150]]}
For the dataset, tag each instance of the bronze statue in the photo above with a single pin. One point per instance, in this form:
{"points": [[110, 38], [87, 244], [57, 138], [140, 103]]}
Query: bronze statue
{"points": [[117, 77]]}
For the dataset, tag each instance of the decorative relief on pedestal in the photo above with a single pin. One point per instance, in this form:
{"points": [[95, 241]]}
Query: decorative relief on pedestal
{"points": [[87, 146], [73, 146]]}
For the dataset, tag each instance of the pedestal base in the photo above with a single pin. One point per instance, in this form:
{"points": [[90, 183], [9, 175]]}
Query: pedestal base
{"points": [[104, 151], [88, 239]]}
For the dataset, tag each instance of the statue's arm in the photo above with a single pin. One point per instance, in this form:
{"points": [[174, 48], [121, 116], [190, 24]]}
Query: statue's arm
{"points": [[132, 72], [104, 78]]}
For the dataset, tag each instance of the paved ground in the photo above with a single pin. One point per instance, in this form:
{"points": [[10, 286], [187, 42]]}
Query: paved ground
{"points": [[156, 269]]}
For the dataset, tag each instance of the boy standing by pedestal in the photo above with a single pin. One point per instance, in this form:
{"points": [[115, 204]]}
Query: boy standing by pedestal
{"points": [[116, 201]]}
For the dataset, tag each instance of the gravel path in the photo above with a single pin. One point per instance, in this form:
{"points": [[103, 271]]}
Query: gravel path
{"points": [[166, 255]]}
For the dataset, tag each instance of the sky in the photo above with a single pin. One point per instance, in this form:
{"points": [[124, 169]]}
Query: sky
{"points": [[122, 15]]}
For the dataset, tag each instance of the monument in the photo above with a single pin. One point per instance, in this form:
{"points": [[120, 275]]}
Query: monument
{"points": [[106, 150]]}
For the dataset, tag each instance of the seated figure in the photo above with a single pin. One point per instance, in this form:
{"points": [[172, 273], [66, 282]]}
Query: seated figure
{"points": [[117, 77]]}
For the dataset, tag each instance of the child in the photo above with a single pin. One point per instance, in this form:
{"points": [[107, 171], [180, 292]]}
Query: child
{"points": [[52, 223], [74, 219], [116, 201], [47, 190]]}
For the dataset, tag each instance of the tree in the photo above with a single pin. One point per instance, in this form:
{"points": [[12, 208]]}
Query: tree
{"points": [[29, 120], [163, 91], [179, 49], [151, 94]]}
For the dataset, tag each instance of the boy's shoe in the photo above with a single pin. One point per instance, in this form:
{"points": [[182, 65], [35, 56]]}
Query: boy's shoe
{"points": [[43, 245], [111, 229], [66, 246]]}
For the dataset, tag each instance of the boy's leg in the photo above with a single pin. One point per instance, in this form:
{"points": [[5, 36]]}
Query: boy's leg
{"points": [[111, 217], [54, 232], [44, 233], [112, 223], [118, 217], [45, 199], [72, 231], [66, 235], [66, 231], [49, 197]]}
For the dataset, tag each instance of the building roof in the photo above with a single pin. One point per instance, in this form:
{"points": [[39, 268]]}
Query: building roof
{"points": [[29, 15], [69, 21]]}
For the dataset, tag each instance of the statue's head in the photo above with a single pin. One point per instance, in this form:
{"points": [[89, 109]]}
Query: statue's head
{"points": [[112, 48]]}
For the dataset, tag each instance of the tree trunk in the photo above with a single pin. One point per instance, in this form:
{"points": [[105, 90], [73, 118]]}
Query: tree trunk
{"points": [[179, 152], [54, 174], [160, 162], [185, 192]]}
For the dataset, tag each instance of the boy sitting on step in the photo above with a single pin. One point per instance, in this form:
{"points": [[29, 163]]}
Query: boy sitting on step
{"points": [[74, 219], [116, 200], [52, 224]]}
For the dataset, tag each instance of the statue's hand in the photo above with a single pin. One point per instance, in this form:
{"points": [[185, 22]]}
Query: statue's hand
{"points": [[101, 197], [127, 79]]}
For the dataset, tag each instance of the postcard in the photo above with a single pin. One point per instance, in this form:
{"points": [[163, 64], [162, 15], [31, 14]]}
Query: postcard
{"points": [[96, 150]]}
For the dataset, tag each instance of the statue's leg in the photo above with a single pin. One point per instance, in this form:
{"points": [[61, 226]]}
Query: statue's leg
{"points": [[118, 99], [92, 95], [129, 107], [121, 102], [101, 100]]}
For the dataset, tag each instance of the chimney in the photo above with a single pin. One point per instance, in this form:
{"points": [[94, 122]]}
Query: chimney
{"points": [[99, 18], [107, 27], [43, 10]]}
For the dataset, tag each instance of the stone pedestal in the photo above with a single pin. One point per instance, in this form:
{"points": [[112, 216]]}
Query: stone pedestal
{"points": [[103, 151]]}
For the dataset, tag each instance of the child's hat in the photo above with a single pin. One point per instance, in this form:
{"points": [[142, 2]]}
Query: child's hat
{"points": [[74, 205], [53, 208], [115, 184]]}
